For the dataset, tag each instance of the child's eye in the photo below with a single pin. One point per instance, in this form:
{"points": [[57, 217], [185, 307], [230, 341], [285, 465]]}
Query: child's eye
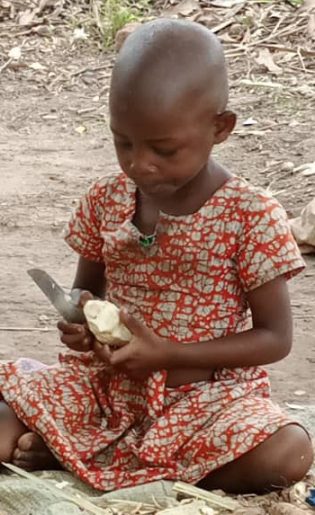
{"points": [[165, 152], [123, 144]]}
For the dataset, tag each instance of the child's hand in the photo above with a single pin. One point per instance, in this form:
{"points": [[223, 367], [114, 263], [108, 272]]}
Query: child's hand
{"points": [[77, 336], [144, 353]]}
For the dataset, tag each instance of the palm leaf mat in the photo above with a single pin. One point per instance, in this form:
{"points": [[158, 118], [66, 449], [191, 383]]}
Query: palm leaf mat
{"points": [[59, 493]]}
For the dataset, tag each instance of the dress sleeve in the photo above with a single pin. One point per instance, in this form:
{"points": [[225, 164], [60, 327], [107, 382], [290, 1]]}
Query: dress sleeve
{"points": [[83, 233], [266, 247]]}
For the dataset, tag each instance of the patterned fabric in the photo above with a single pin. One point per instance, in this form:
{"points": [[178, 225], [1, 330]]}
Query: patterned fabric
{"points": [[189, 286]]}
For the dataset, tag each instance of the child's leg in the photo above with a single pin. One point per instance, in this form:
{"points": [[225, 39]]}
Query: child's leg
{"points": [[17, 445], [31, 453], [278, 462], [11, 429]]}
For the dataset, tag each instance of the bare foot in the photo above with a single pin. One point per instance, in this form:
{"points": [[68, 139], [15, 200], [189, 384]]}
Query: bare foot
{"points": [[11, 429], [31, 453]]}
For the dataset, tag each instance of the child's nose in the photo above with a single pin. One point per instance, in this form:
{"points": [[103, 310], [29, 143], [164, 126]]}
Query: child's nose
{"points": [[141, 164]]}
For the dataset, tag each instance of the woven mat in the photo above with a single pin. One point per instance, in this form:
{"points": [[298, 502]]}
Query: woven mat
{"points": [[20, 496]]}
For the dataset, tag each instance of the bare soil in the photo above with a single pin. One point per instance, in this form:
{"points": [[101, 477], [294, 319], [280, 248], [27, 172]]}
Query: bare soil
{"points": [[53, 144]]}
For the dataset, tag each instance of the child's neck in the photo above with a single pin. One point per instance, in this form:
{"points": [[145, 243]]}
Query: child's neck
{"points": [[192, 197]]}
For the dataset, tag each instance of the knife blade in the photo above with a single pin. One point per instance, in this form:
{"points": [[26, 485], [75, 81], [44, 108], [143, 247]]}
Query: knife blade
{"points": [[61, 300]]}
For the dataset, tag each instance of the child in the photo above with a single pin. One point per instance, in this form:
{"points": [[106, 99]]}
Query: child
{"points": [[186, 248]]}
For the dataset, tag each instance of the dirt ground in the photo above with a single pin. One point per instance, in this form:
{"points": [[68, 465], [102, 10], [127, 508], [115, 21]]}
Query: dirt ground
{"points": [[53, 144]]}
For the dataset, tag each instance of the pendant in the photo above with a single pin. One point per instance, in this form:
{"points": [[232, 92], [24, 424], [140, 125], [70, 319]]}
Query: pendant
{"points": [[146, 241]]}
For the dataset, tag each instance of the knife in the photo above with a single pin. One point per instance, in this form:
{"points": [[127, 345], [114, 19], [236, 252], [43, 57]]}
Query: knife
{"points": [[62, 301]]}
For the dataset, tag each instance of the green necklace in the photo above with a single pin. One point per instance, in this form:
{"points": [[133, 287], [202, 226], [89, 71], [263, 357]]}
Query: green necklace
{"points": [[147, 241]]}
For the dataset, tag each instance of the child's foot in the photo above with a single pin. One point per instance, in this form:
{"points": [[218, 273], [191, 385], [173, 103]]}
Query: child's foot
{"points": [[31, 453], [11, 429]]}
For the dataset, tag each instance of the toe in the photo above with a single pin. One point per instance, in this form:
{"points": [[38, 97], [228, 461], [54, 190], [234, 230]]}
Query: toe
{"points": [[30, 442], [29, 460]]}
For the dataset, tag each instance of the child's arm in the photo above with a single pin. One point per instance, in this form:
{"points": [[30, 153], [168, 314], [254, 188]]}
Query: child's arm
{"points": [[90, 276], [90, 281], [268, 341]]}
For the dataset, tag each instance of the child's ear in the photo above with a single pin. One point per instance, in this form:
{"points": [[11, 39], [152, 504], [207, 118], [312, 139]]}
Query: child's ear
{"points": [[224, 124]]}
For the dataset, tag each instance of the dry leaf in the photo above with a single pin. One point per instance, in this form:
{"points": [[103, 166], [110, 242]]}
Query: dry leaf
{"points": [[307, 169], [37, 66], [184, 8], [226, 3], [249, 122], [80, 129], [265, 59], [79, 34], [306, 90], [295, 406], [26, 17], [15, 53]]}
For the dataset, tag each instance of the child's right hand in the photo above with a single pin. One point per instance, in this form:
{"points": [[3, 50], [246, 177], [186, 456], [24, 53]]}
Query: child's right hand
{"points": [[77, 337]]}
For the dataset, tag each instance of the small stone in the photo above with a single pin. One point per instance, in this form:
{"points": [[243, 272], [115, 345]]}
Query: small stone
{"points": [[287, 166]]}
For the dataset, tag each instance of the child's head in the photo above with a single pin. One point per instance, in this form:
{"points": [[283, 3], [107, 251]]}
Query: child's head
{"points": [[168, 104]]}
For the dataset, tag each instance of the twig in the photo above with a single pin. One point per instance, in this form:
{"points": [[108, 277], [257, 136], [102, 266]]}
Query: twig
{"points": [[27, 329], [297, 69], [301, 59], [212, 499], [6, 64], [222, 25], [283, 32], [303, 51], [261, 84], [89, 69]]}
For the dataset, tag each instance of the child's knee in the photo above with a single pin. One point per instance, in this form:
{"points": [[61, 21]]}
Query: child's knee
{"points": [[294, 455]]}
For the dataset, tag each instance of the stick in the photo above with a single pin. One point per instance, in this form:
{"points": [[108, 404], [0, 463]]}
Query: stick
{"points": [[5, 65], [222, 25], [303, 51], [213, 499], [27, 329], [89, 69]]}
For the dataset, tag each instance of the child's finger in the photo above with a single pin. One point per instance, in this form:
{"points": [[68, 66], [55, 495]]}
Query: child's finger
{"points": [[84, 297], [78, 345], [70, 339], [136, 327], [121, 355], [103, 352], [77, 329], [67, 328]]}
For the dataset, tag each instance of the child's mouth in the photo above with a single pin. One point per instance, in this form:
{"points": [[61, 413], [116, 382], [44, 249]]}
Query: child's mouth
{"points": [[157, 188]]}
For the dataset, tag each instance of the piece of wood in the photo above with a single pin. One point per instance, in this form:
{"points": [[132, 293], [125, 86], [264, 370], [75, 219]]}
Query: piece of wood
{"points": [[214, 500], [27, 329]]}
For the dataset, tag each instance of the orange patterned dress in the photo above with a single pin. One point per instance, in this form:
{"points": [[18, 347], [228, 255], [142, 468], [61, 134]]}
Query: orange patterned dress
{"points": [[189, 286]]}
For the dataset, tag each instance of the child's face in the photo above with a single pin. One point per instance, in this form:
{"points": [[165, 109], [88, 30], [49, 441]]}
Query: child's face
{"points": [[162, 152]]}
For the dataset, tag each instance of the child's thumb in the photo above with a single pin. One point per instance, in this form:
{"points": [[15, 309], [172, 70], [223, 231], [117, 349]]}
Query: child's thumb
{"points": [[136, 327]]}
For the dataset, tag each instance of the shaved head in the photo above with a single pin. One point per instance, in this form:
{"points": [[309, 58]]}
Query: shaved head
{"points": [[165, 62]]}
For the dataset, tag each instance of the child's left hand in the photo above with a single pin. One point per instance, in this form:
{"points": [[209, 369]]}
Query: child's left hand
{"points": [[144, 353]]}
